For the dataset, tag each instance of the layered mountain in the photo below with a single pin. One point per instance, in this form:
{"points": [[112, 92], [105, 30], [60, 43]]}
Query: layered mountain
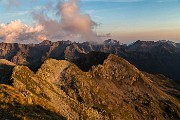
{"points": [[112, 89], [161, 57]]}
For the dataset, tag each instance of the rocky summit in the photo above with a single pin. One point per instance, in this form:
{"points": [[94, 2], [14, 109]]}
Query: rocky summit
{"points": [[113, 89]]}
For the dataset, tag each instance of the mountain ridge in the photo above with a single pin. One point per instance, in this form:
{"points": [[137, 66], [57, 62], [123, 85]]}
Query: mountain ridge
{"points": [[149, 56], [114, 89]]}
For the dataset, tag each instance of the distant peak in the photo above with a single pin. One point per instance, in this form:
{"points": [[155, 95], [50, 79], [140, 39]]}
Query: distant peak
{"points": [[112, 42], [46, 42]]}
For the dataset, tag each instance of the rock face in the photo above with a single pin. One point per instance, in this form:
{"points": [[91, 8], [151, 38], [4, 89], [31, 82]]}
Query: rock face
{"points": [[151, 57], [114, 89]]}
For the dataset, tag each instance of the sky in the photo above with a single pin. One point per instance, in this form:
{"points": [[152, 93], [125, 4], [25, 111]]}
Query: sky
{"points": [[124, 20]]}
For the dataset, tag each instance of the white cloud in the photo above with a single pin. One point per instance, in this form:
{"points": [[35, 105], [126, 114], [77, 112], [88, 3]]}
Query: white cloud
{"points": [[16, 31], [71, 23]]}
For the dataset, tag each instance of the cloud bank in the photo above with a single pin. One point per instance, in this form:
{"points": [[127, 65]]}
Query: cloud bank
{"points": [[71, 24], [16, 31]]}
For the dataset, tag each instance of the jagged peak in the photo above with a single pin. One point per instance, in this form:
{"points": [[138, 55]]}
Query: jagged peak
{"points": [[46, 42], [120, 60], [153, 43]]}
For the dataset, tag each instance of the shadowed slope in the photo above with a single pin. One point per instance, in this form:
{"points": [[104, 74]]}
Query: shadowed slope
{"points": [[6, 68]]}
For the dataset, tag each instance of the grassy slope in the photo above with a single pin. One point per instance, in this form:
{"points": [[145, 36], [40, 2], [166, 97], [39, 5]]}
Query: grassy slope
{"points": [[14, 105]]}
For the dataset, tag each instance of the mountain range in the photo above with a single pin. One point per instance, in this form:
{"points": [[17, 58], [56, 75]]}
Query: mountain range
{"points": [[86, 81], [161, 57]]}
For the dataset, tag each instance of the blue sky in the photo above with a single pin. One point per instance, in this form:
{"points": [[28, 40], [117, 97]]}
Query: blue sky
{"points": [[126, 20]]}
